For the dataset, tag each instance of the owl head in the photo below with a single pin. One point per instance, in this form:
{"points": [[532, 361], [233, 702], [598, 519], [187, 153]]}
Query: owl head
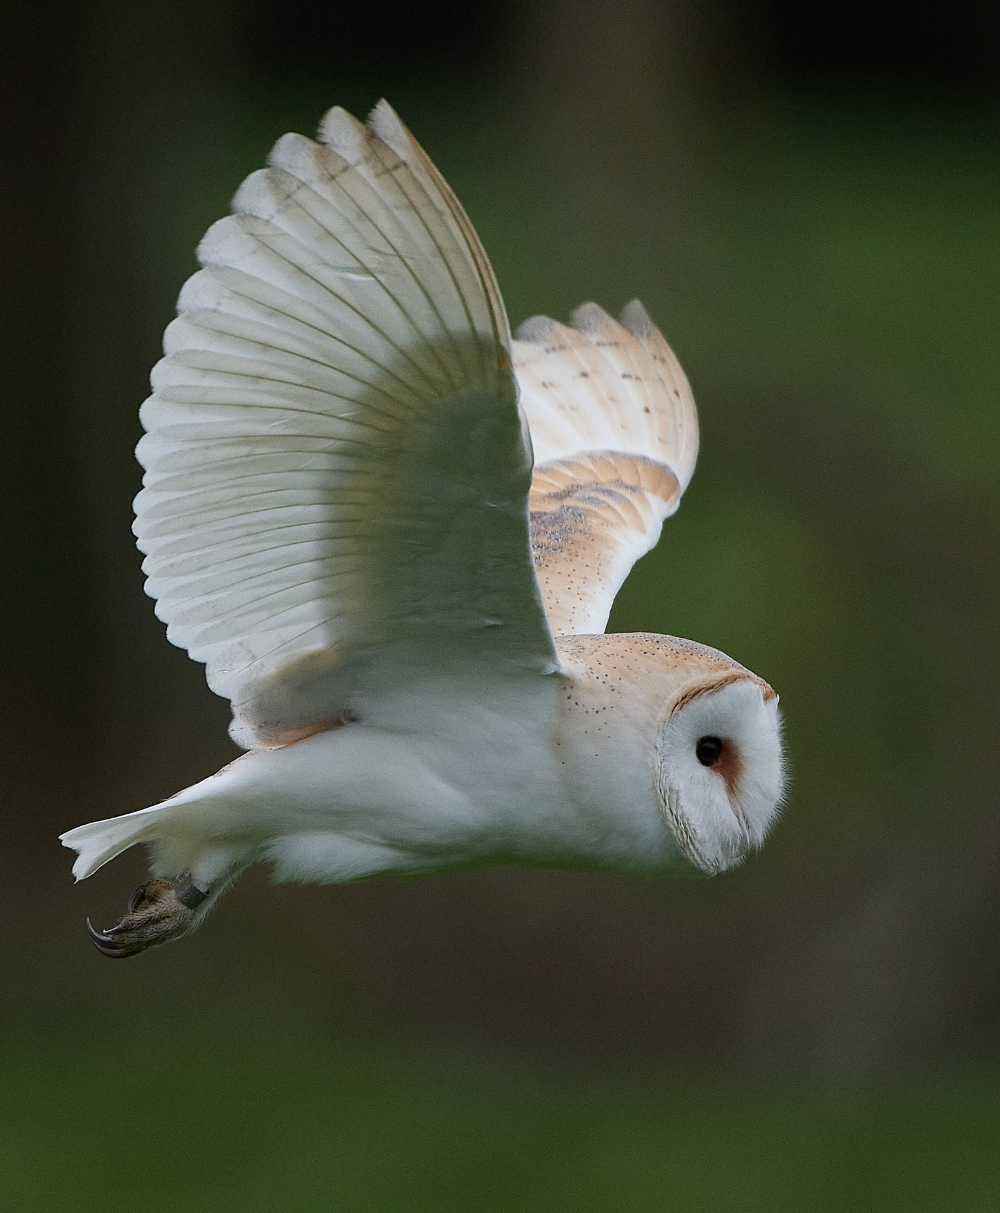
{"points": [[667, 725]]}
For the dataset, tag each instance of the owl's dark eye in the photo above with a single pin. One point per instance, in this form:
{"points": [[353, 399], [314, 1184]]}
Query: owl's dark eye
{"points": [[708, 750]]}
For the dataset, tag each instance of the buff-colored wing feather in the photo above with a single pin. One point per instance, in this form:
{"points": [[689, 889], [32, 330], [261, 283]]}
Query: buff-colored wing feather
{"points": [[336, 469], [615, 436]]}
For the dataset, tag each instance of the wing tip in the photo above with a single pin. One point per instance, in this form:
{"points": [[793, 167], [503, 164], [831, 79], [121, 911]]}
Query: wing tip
{"points": [[341, 131], [591, 320], [383, 121], [637, 320], [536, 329], [386, 125]]}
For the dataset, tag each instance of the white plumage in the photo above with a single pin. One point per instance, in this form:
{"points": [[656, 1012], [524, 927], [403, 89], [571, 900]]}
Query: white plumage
{"points": [[335, 520]]}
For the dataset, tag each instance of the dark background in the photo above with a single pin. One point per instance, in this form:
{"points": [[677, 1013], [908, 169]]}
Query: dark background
{"points": [[805, 196]]}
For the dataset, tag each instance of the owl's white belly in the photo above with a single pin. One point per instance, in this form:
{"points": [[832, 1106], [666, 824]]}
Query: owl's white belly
{"points": [[476, 783]]}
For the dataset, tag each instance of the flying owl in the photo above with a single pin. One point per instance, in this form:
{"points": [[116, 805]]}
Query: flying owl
{"points": [[393, 535]]}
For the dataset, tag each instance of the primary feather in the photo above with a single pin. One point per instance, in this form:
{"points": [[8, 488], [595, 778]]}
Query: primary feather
{"points": [[335, 465]]}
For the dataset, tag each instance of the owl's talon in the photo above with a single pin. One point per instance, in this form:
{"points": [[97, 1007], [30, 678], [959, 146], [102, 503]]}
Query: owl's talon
{"points": [[135, 901], [155, 915], [102, 940]]}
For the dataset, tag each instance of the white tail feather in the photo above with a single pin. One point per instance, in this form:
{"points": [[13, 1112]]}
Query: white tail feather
{"points": [[100, 841]]}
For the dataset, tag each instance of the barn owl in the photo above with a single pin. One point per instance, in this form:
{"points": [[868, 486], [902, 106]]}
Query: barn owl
{"points": [[393, 535]]}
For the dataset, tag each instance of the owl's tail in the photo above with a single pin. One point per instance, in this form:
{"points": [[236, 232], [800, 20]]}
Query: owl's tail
{"points": [[178, 829], [100, 841]]}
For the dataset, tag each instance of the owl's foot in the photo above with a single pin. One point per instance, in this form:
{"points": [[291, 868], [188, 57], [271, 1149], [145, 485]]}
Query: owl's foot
{"points": [[157, 911]]}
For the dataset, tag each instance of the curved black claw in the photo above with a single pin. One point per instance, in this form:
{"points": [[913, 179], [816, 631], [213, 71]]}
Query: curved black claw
{"points": [[155, 914], [106, 945]]}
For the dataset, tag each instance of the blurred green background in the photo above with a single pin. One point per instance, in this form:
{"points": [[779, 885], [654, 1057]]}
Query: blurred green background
{"points": [[807, 199]]}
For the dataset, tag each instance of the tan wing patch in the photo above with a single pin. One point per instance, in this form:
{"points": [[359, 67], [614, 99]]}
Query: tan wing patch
{"points": [[592, 517], [615, 437]]}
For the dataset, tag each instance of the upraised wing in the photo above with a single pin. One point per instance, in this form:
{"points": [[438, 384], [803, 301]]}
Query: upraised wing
{"points": [[615, 435], [336, 473]]}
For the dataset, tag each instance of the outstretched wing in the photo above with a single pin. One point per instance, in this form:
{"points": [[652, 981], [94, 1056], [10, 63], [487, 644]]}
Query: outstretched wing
{"points": [[615, 434], [336, 470]]}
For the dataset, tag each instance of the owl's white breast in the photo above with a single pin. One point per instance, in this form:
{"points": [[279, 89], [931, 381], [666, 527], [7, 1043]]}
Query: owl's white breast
{"points": [[609, 715]]}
